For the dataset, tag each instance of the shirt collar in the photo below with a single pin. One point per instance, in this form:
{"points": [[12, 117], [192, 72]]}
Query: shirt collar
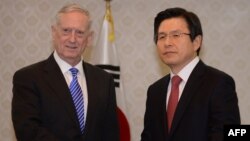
{"points": [[64, 66], [186, 71]]}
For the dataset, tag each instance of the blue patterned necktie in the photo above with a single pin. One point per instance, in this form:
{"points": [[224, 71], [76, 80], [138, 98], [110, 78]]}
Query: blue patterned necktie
{"points": [[77, 96]]}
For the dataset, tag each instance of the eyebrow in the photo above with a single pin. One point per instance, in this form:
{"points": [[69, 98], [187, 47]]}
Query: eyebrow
{"points": [[173, 31]]}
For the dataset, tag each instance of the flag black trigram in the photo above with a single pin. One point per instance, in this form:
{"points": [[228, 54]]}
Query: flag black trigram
{"points": [[114, 71]]}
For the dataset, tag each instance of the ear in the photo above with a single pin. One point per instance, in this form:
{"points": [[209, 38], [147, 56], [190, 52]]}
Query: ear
{"points": [[90, 38], [197, 42]]}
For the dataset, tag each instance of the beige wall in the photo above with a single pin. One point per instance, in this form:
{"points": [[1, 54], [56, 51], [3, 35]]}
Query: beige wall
{"points": [[25, 39]]}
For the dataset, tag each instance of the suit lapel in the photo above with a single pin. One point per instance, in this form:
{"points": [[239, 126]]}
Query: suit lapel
{"points": [[58, 84], [164, 93], [192, 85], [92, 90]]}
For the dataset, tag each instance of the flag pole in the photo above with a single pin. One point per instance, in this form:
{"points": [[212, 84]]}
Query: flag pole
{"points": [[109, 18], [108, 3]]}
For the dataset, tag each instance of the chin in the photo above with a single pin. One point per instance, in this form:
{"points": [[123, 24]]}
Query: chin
{"points": [[169, 62]]}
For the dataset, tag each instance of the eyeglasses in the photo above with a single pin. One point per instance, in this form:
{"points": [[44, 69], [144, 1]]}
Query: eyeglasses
{"points": [[172, 35], [68, 31]]}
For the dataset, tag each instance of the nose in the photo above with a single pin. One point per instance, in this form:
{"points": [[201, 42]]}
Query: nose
{"points": [[73, 36], [168, 41]]}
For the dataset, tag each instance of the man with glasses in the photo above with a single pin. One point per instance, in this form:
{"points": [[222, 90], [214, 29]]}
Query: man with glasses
{"points": [[194, 101], [64, 98]]}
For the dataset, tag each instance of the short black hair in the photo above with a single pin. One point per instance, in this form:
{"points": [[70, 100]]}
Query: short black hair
{"points": [[194, 24]]}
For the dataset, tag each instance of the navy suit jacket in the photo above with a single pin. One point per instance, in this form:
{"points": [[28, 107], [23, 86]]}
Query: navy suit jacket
{"points": [[208, 102], [43, 110]]}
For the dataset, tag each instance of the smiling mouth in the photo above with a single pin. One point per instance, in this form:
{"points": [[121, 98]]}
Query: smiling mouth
{"points": [[71, 47]]}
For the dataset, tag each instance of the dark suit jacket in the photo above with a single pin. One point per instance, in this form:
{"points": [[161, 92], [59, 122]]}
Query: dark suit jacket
{"points": [[208, 102], [43, 110]]}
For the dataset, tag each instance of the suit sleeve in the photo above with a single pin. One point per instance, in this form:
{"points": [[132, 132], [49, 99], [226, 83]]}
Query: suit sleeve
{"points": [[26, 115], [224, 108], [145, 135], [111, 125]]}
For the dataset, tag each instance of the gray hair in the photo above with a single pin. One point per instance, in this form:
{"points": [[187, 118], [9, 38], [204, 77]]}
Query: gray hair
{"points": [[71, 8]]}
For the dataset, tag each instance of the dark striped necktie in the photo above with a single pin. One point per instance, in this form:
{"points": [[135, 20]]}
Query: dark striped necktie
{"points": [[77, 96]]}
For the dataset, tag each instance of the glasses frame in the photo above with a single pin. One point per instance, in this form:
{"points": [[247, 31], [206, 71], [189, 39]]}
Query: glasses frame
{"points": [[176, 35]]}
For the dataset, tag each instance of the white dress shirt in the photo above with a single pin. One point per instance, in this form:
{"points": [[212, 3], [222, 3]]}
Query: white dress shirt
{"points": [[64, 66], [184, 75]]}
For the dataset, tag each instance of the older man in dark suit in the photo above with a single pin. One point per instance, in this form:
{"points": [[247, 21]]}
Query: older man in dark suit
{"points": [[64, 98]]}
